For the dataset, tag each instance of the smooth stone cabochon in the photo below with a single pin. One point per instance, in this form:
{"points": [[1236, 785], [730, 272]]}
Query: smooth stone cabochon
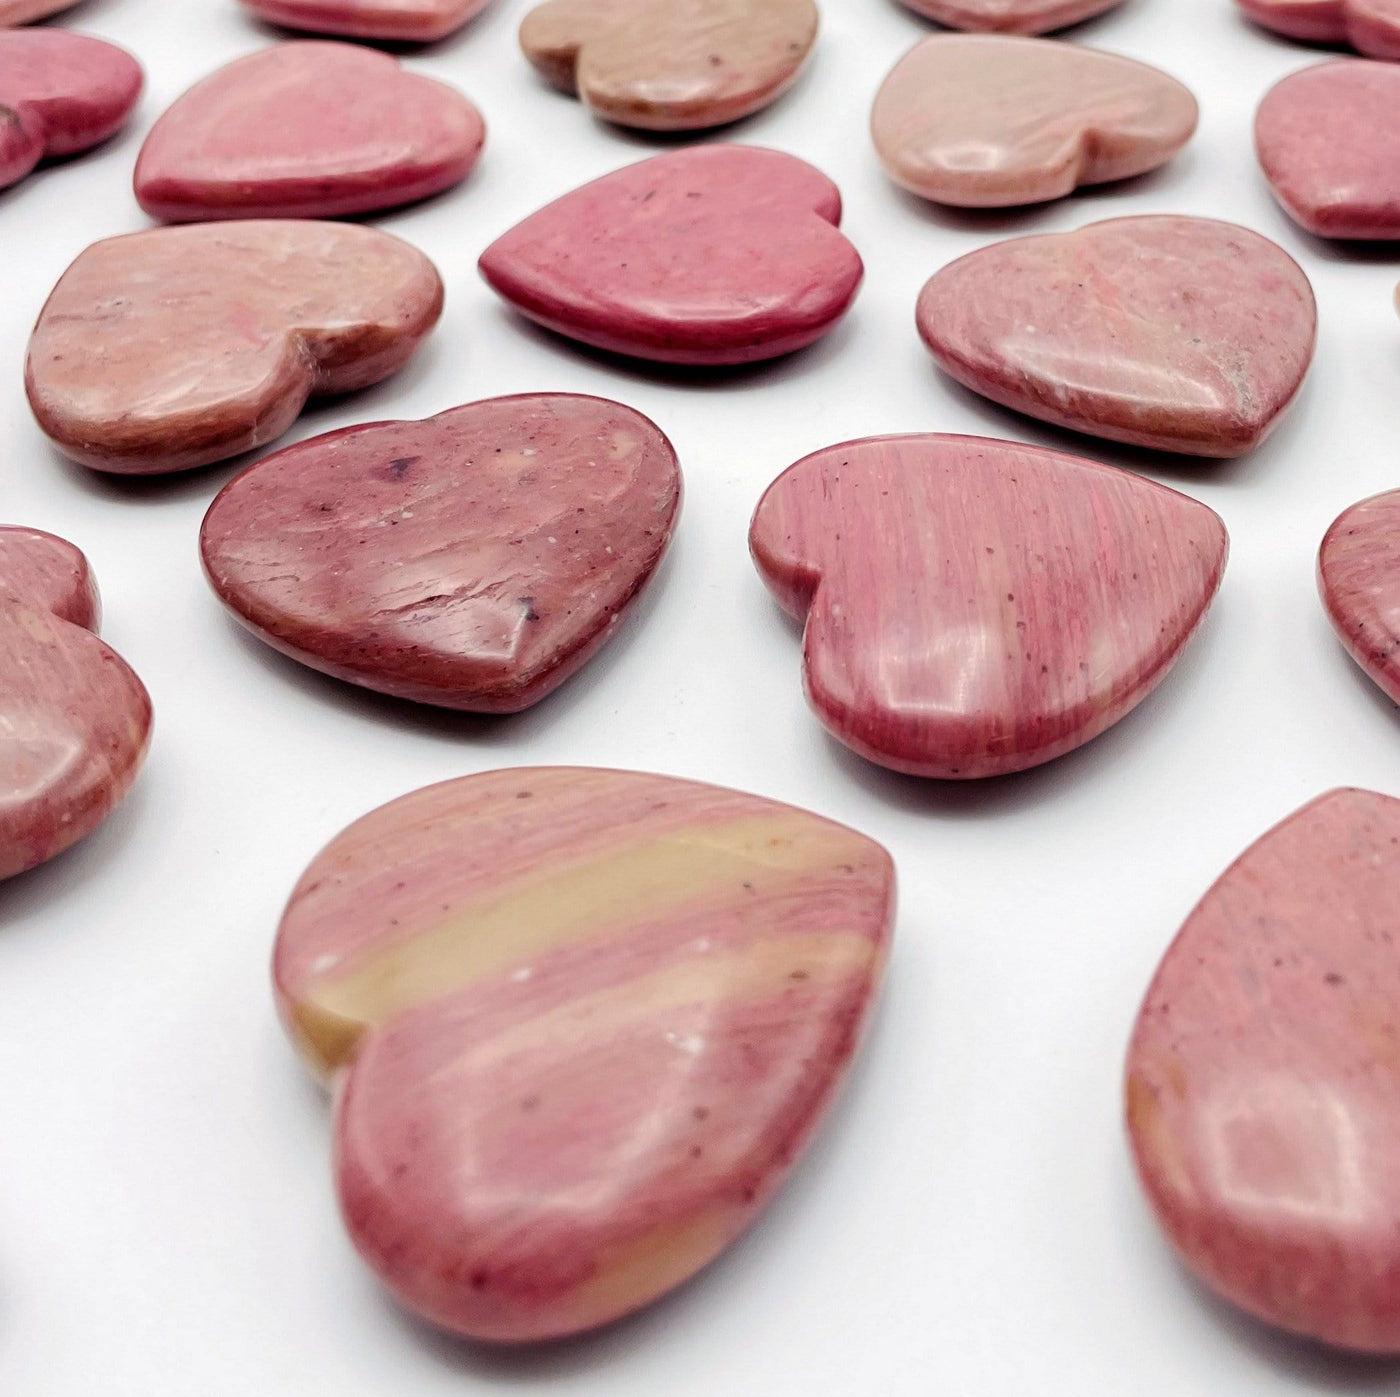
{"points": [[1261, 1093], [666, 66], [475, 560], [583, 1022], [977, 607], [177, 347], [1371, 27], [404, 21], [15, 12], [1181, 334], [74, 720], [1359, 578], [1011, 16], [716, 254], [1328, 139], [992, 121], [60, 93], [306, 130]]}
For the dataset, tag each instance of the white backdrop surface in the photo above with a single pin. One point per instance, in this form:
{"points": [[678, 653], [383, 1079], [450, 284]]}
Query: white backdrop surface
{"points": [[967, 1224]]}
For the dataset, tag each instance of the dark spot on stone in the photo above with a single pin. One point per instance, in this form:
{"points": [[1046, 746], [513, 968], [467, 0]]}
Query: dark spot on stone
{"points": [[398, 468]]}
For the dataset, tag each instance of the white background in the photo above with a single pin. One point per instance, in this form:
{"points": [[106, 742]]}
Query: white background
{"points": [[967, 1224]]}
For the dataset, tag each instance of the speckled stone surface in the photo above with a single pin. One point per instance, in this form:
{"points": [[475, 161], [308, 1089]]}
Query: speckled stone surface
{"points": [[475, 560], [1358, 571], [176, 347], [581, 1024], [975, 607], [60, 93], [403, 21], [1010, 16], [306, 129], [716, 254], [1371, 27], [74, 720], [994, 120], [16, 12], [1328, 140], [1261, 1078], [1182, 334], [667, 66]]}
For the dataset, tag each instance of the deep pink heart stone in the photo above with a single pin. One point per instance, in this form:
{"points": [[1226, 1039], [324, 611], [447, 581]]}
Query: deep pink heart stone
{"points": [[976, 607], [582, 1024], [1010, 16], [1328, 140], [1177, 333], [306, 130], [1261, 1078], [403, 21], [60, 93], [715, 254], [1371, 27], [74, 720], [474, 561], [1359, 578]]}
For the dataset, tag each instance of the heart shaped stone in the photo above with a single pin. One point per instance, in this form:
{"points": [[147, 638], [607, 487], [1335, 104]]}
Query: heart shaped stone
{"points": [[402, 21], [306, 130], [977, 607], [667, 66], [474, 561], [1261, 1078], [74, 720], [1328, 139], [714, 254], [16, 12], [991, 120], [582, 1024], [1359, 577], [1011, 16], [173, 348], [1371, 27], [1177, 333], [60, 93]]}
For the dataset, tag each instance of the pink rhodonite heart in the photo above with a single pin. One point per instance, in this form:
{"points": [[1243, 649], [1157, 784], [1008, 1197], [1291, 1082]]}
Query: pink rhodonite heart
{"points": [[992, 120], [976, 607], [177, 347], [1371, 27], [1010, 16], [306, 130], [582, 1024], [1261, 1093], [1359, 576], [475, 560], [60, 93], [74, 720], [714, 254], [1178, 333], [403, 21]]}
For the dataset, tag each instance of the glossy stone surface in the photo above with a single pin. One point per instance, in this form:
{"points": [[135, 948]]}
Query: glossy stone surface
{"points": [[1177, 333], [992, 120], [1358, 573], [15, 12], [663, 66], [582, 1025], [1010, 16], [475, 560], [60, 93], [74, 720], [1328, 140], [1371, 27], [176, 347], [1261, 1078], [977, 607], [306, 130], [404, 21], [713, 254]]}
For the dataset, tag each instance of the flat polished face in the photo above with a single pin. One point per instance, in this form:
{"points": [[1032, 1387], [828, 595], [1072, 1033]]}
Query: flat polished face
{"points": [[585, 1022], [406, 21], [1359, 576]]}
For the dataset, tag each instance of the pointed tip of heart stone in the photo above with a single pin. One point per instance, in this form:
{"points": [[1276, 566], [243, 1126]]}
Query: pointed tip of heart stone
{"points": [[412, 22], [1359, 578]]}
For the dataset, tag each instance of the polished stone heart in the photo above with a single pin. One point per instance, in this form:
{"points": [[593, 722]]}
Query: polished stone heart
{"points": [[1011, 16], [710, 255], [671, 65], [1328, 139], [1261, 1078], [15, 12], [1177, 333], [1359, 577], [74, 720], [403, 21], [177, 347], [991, 120], [1371, 27], [474, 561], [977, 607], [306, 130], [582, 1024], [60, 93]]}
